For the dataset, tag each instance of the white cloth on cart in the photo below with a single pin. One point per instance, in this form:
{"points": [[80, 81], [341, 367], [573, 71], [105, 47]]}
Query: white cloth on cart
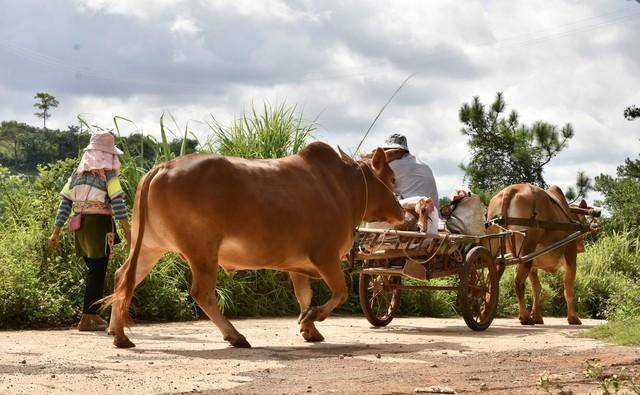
{"points": [[434, 217]]}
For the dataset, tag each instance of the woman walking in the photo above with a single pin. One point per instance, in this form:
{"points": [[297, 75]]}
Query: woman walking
{"points": [[94, 194]]}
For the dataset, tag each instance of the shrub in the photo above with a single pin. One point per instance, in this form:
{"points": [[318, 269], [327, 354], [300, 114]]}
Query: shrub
{"points": [[610, 266]]}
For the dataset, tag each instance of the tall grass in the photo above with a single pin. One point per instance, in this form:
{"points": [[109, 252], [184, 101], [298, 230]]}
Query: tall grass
{"points": [[608, 276], [273, 132]]}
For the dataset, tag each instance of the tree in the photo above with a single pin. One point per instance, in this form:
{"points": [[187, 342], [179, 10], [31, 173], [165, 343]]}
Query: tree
{"points": [[621, 196], [632, 112], [504, 151], [44, 104], [10, 134], [580, 190]]}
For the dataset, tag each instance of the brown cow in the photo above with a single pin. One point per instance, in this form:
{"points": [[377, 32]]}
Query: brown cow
{"points": [[294, 214], [520, 201]]}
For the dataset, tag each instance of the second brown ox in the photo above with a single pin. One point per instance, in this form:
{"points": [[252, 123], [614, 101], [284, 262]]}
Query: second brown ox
{"points": [[525, 201], [295, 214]]}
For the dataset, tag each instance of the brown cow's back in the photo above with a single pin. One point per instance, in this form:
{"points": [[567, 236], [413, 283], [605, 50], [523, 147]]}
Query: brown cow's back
{"points": [[265, 214]]}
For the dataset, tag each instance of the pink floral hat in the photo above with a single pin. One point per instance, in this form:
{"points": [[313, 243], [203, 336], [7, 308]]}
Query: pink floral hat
{"points": [[104, 142], [101, 154]]}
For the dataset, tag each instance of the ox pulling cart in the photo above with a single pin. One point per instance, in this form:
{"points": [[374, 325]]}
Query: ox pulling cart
{"points": [[384, 257]]}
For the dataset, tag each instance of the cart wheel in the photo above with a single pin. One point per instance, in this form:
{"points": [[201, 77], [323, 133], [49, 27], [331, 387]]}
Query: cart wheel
{"points": [[478, 291], [379, 304]]}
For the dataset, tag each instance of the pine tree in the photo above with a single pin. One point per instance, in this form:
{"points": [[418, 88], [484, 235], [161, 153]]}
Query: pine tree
{"points": [[504, 151], [44, 104]]}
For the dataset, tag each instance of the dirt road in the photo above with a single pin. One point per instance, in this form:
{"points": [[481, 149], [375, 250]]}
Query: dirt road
{"points": [[355, 358]]}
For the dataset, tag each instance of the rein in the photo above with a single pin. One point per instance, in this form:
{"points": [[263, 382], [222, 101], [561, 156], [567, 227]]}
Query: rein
{"points": [[366, 194], [366, 187]]}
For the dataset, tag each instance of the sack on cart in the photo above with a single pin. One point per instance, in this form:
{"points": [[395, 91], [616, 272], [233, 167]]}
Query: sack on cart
{"points": [[465, 215]]}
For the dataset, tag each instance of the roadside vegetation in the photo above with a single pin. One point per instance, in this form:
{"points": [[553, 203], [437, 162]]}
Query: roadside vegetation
{"points": [[40, 287]]}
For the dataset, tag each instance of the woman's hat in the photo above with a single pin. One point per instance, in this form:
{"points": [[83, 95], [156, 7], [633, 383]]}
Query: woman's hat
{"points": [[104, 142]]}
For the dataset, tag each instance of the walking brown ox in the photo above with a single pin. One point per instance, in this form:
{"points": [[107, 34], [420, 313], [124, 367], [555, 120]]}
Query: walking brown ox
{"points": [[524, 201], [294, 214]]}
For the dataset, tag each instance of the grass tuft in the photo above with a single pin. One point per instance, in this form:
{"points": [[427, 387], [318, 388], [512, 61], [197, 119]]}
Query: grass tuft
{"points": [[625, 332]]}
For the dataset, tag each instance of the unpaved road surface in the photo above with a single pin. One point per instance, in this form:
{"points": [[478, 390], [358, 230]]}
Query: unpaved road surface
{"points": [[355, 358]]}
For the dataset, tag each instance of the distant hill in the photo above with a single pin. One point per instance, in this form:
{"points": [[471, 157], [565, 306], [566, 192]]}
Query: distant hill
{"points": [[23, 147]]}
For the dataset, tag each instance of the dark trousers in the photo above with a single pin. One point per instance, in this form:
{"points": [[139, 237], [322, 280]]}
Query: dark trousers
{"points": [[94, 290]]}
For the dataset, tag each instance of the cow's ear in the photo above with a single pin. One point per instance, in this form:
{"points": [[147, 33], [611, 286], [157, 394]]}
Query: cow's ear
{"points": [[583, 204], [344, 156], [379, 159]]}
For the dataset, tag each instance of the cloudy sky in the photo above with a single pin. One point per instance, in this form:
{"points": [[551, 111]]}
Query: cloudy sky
{"points": [[560, 61]]}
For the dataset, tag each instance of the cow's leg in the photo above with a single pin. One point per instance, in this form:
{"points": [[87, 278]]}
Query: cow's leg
{"points": [[536, 289], [569, 282], [303, 291], [203, 291], [146, 261], [334, 278], [521, 277]]}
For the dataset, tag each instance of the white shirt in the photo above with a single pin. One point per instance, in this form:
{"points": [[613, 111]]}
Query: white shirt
{"points": [[414, 178]]}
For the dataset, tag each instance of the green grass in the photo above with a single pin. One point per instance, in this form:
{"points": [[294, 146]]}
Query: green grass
{"points": [[273, 132], [625, 332]]}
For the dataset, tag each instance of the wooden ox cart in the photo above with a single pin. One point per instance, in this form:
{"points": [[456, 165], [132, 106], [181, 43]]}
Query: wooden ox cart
{"points": [[383, 257]]}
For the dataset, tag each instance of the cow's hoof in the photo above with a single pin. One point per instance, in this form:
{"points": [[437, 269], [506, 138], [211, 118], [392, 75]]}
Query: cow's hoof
{"points": [[527, 321], [310, 315], [312, 336], [123, 342], [537, 320], [240, 342], [574, 321]]}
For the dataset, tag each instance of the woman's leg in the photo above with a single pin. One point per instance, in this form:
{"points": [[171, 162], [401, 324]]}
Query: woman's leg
{"points": [[94, 290]]}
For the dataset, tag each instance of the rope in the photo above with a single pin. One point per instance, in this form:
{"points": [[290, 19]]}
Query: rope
{"points": [[366, 187], [444, 241], [495, 222], [381, 110], [366, 195], [404, 248]]}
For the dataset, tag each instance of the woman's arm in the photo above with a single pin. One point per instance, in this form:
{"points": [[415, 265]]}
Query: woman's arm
{"points": [[116, 194], [120, 212], [64, 209]]}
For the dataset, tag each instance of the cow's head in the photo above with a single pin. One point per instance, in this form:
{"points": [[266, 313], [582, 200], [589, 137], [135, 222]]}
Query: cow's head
{"points": [[583, 220], [382, 205]]}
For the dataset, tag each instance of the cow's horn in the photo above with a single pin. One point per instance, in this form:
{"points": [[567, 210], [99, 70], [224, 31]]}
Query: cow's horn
{"points": [[344, 156]]}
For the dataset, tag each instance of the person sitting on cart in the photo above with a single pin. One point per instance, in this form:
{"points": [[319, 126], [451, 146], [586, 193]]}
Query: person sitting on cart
{"points": [[413, 177]]}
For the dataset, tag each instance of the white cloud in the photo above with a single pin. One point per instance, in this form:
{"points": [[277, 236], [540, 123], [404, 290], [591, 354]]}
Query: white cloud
{"points": [[185, 26], [560, 62], [142, 9]]}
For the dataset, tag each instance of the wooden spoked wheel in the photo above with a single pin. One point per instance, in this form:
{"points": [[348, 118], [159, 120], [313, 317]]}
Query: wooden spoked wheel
{"points": [[478, 290], [379, 302]]}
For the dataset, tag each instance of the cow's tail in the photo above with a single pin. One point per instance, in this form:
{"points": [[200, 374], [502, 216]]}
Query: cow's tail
{"points": [[507, 195], [125, 285]]}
